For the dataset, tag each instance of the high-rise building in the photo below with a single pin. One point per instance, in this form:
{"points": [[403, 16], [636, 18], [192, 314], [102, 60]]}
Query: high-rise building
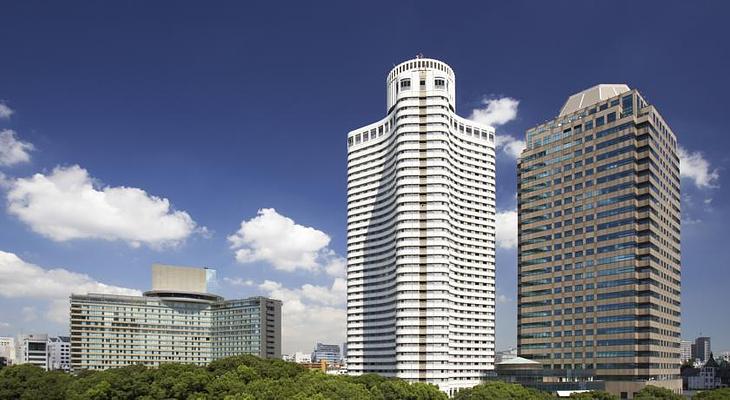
{"points": [[328, 352], [59, 353], [176, 321], [702, 349], [599, 241], [32, 349], [685, 350], [420, 235]]}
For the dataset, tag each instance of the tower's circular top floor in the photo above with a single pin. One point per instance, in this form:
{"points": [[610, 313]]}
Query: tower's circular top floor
{"points": [[421, 77]]}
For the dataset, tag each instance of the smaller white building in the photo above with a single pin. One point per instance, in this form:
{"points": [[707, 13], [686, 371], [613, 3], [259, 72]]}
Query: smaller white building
{"points": [[32, 349], [7, 349], [298, 357], [59, 353]]}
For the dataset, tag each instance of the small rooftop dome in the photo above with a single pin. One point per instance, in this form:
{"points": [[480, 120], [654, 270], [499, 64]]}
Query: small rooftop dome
{"points": [[591, 96]]}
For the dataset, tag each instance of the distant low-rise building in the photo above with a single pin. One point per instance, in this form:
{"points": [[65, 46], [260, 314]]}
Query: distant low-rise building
{"points": [[530, 373], [176, 321], [327, 352], [7, 349], [59, 353], [704, 378], [505, 355], [32, 349], [298, 357]]}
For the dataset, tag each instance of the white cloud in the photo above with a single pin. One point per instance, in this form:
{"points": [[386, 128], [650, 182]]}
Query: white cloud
{"points": [[239, 281], [507, 229], [496, 111], [22, 280], [510, 146], [69, 204], [12, 150], [499, 111], [503, 299], [310, 313], [694, 166], [5, 111], [286, 245]]}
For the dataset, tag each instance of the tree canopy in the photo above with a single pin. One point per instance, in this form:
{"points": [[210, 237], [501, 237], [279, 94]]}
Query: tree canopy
{"points": [[502, 391], [657, 393], [235, 378]]}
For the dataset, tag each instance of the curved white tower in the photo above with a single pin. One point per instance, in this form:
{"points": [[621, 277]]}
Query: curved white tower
{"points": [[420, 236]]}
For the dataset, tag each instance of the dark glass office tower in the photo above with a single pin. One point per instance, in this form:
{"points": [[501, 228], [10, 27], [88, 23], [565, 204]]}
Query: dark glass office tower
{"points": [[599, 242]]}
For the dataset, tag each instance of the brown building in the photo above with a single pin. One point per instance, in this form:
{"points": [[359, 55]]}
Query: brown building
{"points": [[599, 242]]}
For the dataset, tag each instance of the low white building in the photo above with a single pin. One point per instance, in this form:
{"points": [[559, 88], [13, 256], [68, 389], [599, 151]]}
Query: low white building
{"points": [[59, 353], [298, 357], [32, 349], [7, 349]]}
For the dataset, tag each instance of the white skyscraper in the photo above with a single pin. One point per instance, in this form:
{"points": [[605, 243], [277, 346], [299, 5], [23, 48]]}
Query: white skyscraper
{"points": [[421, 235]]}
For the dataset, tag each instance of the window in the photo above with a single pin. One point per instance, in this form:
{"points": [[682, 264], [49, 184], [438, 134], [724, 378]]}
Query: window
{"points": [[610, 117], [405, 84], [440, 83], [599, 121]]}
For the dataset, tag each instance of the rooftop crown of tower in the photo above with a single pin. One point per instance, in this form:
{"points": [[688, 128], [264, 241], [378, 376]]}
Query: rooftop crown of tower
{"points": [[421, 76]]}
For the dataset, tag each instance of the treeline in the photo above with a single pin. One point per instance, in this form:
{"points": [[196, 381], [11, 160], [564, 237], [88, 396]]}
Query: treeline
{"points": [[243, 378]]}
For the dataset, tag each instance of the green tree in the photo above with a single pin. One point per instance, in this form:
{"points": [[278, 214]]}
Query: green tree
{"points": [[717, 394], [232, 382], [28, 381], [396, 389], [126, 383], [274, 369], [657, 393], [594, 395], [502, 391]]}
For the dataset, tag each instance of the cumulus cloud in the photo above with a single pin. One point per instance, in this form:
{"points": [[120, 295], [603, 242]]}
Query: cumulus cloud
{"points": [[12, 150], [694, 166], [506, 229], [503, 299], [22, 280], [499, 111], [510, 146], [310, 313], [496, 111], [5, 111], [69, 204], [278, 240]]}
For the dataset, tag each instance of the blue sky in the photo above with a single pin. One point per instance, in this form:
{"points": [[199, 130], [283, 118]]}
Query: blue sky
{"points": [[137, 133]]}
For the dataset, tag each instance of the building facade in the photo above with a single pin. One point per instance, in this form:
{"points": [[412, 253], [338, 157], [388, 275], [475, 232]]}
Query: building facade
{"points": [[685, 351], [328, 352], [599, 241], [7, 349], [702, 349], [59, 353], [420, 235], [186, 325], [32, 349]]}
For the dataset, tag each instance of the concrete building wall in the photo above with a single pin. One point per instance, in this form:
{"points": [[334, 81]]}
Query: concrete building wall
{"points": [[175, 278]]}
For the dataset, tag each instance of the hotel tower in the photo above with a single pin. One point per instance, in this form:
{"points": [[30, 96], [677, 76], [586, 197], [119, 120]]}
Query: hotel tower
{"points": [[421, 235], [599, 242]]}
